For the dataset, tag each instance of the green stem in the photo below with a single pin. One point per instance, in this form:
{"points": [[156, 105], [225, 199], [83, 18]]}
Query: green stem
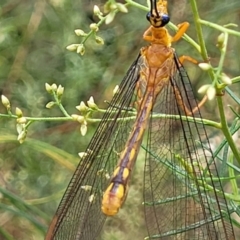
{"points": [[92, 31], [199, 30], [226, 131], [58, 101], [49, 119], [135, 4], [233, 178], [221, 62], [224, 125], [220, 28], [63, 110], [8, 116], [40, 118], [236, 79]]}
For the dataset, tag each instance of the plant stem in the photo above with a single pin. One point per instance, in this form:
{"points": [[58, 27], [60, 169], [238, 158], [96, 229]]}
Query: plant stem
{"points": [[220, 28], [226, 131], [199, 30]]}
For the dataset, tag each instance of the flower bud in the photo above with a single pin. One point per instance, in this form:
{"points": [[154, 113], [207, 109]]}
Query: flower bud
{"points": [[211, 93], [80, 33], [205, 66], [110, 17], [5, 102], [221, 37], [81, 119], [82, 107], [72, 47], [50, 104], [21, 120], [122, 8], [54, 87], [60, 91], [18, 112], [99, 40], [83, 129], [20, 128], [48, 88], [94, 27], [225, 79], [203, 89], [92, 104], [97, 11], [113, 6], [81, 49], [22, 136], [220, 40]]}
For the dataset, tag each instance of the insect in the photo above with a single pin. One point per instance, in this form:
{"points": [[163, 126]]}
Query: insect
{"points": [[181, 196]]}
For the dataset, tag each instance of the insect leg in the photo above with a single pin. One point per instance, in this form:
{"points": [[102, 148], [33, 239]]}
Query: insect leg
{"points": [[182, 28]]}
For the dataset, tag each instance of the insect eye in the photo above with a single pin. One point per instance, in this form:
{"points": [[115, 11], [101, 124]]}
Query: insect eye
{"points": [[148, 16], [165, 19]]}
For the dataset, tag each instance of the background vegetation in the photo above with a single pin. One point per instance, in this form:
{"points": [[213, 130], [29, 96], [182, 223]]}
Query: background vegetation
{"points": [[33, 40]]}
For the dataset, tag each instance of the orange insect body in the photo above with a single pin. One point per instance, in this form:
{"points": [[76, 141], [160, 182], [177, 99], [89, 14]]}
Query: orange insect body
{"points": [[158, 66]]}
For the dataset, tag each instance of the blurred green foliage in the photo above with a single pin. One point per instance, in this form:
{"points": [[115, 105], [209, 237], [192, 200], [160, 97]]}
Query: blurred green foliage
{"points": [[33, 40]]}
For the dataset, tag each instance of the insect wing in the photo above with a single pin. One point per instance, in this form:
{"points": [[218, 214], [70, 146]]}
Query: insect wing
{"points": [[182, 201], [79, 214]]}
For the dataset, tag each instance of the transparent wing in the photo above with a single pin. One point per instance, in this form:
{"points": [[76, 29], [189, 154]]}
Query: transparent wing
{"points": [[79, 215], [183, 195]]}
